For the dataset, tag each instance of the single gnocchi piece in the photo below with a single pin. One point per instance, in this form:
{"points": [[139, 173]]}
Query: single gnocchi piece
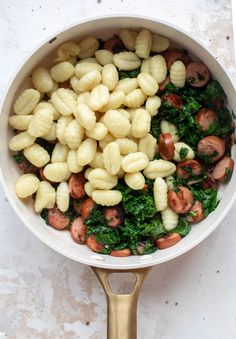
{"points": [[42, 80], [135, 180], [112, 158], [47, 105], [74, 133], [134, 162], [107, 197], [126, 85], [99, 97], [158, 68], [86, 151], [143, 43], [20, 122], [110, 76], [169, 219], [64, 101], [26, 185], [128, 38], [62, 71], [188, 152], [56, 172], [41, 123], [178, 73], [89, 81], [67, 50], [85, 67], [146, 66], [152, 105], [72, 162], [104, 57], [159, 43], [117, 124], [135, 99], [26, 102], [147, 145], [88, 47], [21, 141], [83, 98], [74, 82], [147, 83], [97, 161], [160, 194], [126, 146], [36, 155], [87, 171], [85, 117], [126, 61], [62, 124], [63, 196], [159, 168], [101, 179], [141, 123], [115, 101], [88, 187], [45, 197], [59, 153], [99, 132], [168, 127]]}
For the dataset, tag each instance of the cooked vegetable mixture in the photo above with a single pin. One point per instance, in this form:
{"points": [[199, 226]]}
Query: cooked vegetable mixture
{"points": [[123, 142]]}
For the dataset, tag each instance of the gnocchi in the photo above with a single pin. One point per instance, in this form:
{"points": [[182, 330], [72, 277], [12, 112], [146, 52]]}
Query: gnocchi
{"points": [[26, 185]]}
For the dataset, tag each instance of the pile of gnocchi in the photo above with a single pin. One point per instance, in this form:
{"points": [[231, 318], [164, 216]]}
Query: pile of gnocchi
{"points": [[93, 109]]}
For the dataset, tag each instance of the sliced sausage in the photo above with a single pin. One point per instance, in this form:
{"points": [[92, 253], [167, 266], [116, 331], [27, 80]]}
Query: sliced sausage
{"points": [[86, 207], [180, 200], [114, 45], [196, 213], [187, 168], [198, 74], [209, 182], [58, 219], [93, 244], [173, 100], [121, 253], [77, 205], [114, 216], [212, 147], [78, 230], [205, 117], [26, 167], [167, 241], [163, 85], [76, 186], [223, 169], [175, 54], [166, 146]]}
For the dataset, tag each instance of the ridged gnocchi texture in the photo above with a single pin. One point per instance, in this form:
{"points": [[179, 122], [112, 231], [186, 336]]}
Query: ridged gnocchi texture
{"points": [[101, 179], [20, 141], [153, 103], [158, 68], [159, 168], [99, 97], [73, 135], [143, 43], [89, 81], [104, 57], [88, 47], [134, 162], [59, 153], [63, 196], [107, 197], [160, 194], [85, 116], [117, 124], [36, 155], [112, 158], [26, 102], [178, 74], [64, 101], [110, 76], [86, 151], [26, 185], [42, 80], [62, 124], [147, 145], [126, 61], [147, 83], [126, 85], [98, 132], [141, 123], [20, 122], [126, 146], [135, 98], [45, 196], [128, 38], [56, 172], [41, 123], [169, 219]]}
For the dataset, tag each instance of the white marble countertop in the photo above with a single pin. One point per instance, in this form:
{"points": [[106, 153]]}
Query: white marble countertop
{"points": [[44, 295]]}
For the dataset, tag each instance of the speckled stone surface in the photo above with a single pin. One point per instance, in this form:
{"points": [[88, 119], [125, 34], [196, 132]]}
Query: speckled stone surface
{"points": [[44, 295]]}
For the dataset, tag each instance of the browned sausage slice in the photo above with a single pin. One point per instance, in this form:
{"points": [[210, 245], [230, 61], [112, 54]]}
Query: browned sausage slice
{"points": [[114, 216], [93, 244], [167, 241], [173, 100], [198, 74], [163, 85], [175, 54], [78, 230], [205, 117], [180, 200], [58, 219], [25, 166], [209, 182], [86, 207], [166, 146], [77, 205], [196, 213], [187, 168], [76, 186], [223, 169], [212, 147], [114, 45], [121, 253]]}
